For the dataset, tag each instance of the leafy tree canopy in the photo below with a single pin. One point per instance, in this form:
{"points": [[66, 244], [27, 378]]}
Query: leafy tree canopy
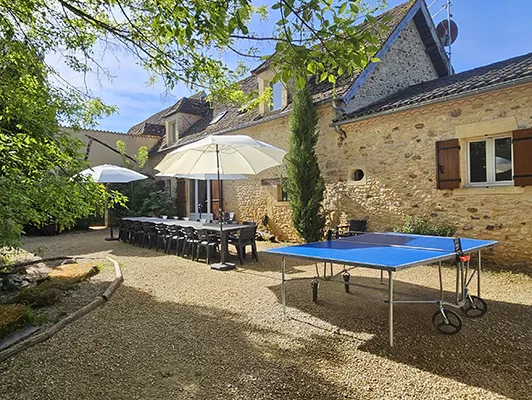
{"points": [[188, 41], [39, 164]]}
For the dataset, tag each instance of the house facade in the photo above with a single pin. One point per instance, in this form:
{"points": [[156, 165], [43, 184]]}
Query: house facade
{"points": [[401, 138]]}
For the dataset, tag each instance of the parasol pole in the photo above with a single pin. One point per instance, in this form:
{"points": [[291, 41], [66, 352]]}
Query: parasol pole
{"points": [[220, 205], [222, 265]]}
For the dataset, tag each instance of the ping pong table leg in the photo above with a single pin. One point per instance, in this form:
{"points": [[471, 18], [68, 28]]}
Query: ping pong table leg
{"points": [[478, 273], [390, 305], [283, 288]]}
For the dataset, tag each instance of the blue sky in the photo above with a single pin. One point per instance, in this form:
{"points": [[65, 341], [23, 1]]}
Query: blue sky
{"points": [[489, 31]]}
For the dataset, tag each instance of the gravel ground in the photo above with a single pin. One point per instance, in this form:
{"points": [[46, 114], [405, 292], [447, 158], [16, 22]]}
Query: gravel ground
{"points": [[176, 329]]}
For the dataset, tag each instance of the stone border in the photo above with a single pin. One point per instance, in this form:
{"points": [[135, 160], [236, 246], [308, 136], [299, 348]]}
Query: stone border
{"points": [[41, 337]]}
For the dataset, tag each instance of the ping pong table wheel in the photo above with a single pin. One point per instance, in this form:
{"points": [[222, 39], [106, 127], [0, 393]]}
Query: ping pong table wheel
{"points": [[474, 307], [346, 277], [447, 322], [314, 285]]}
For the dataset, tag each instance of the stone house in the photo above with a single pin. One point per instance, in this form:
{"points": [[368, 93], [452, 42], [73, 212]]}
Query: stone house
{"points": [[400, 138]]}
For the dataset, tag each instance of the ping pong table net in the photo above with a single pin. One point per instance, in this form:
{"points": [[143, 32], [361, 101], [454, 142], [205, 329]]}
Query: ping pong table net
{"points": [[460, 256]]}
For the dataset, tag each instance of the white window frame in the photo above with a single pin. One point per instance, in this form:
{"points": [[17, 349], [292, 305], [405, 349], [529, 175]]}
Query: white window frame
{"points": [[193, 195], [490, 161]]}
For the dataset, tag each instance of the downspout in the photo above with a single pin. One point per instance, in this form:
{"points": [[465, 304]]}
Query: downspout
{"points": [[338, 106]]}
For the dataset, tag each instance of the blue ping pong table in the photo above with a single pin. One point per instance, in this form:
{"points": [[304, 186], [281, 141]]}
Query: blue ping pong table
{"points": [[391, 252]]}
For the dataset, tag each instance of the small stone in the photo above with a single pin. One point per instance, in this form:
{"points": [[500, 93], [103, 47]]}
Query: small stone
{"points": [[490, 227], [455, 113], [467, 227], [419, 126], [472, 210]]}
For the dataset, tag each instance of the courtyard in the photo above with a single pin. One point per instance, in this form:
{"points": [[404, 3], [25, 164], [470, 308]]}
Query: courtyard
{"points": [[177, 329]]}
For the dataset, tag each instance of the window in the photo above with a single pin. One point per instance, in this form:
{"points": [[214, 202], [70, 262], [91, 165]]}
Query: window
{"points": [[277, 96], [489, 162], [218, 117], [173, 131], [358, 175], [283, 195]]}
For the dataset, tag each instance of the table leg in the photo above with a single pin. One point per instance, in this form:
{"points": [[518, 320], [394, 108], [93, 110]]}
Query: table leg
{"points": [[283, 288], [390, 305], [478, 273]]}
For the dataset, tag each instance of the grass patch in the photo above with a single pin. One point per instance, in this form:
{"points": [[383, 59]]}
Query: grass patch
{"points": [[33, 317], [104, 265]]}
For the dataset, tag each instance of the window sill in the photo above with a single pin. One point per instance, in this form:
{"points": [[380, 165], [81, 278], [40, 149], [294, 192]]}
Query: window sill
{"points": [[490, 190]]}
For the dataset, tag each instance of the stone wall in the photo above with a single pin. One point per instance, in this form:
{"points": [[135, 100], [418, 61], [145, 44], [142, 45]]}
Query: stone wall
{"points": [[252, 198], [397, 154], [405, 64]]}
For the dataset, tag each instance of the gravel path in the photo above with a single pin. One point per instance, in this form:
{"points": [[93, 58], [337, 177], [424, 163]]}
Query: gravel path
{"points": [[178, 330]]}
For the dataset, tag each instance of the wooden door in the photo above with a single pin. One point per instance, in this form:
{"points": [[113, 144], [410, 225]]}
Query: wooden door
{"points": [[181, 198], [448, 164], [215, 198]]}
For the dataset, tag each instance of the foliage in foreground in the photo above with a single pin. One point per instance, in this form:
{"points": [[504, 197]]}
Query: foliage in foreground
{"points": [[39, 164], [425, 226], [304, 185], [191, 41]]}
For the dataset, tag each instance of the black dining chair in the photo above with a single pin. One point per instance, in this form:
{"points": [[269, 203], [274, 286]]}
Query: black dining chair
{"points": [[149, 234], [162, 237], [245, 238], [176, 236], [191, 242], [123, 230], [207, 241], [355, 227], [136, 232]]}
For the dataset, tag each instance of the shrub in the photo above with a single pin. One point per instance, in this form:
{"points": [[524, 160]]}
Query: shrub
{"points": [[425, 226], [147, 198]]}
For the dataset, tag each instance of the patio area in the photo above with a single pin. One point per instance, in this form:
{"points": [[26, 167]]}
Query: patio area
{"points": [[177, 329]]}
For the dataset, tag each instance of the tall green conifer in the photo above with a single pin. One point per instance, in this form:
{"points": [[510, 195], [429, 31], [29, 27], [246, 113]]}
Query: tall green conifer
{"points": [[304, 185]]}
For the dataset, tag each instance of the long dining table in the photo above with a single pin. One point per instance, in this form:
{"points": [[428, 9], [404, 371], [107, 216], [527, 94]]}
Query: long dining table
{"points": [[209, 226]]}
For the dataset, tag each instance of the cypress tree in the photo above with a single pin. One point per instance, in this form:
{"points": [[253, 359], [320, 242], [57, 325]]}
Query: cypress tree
{"points": [[304, 184]]}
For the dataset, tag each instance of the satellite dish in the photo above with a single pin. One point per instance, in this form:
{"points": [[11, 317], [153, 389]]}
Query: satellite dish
{"points": [[442, 30]]}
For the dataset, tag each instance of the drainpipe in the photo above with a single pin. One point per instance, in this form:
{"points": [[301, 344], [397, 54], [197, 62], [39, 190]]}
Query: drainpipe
{"points": [[338, 106]]}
